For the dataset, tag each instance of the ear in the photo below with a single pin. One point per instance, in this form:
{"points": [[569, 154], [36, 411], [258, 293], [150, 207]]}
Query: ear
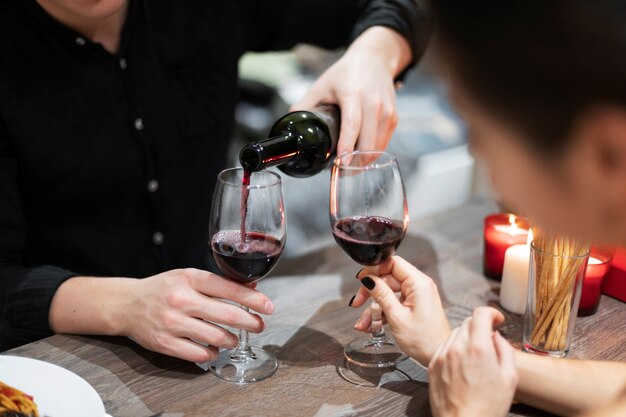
{"points": [[602, 133], [600, 148]]}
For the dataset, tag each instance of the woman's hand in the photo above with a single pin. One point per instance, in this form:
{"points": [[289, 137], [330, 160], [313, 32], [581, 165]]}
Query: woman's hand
{"points": [[417, 320], [167, 313], [361, 83], [473, 373]]}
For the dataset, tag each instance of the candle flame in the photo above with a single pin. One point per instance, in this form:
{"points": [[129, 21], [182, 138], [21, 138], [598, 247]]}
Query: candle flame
{"points": [[594, 261], [512, 219], [529, 240]]}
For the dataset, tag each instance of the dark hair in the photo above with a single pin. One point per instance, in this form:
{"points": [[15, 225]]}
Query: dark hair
{"points": [[537, 64]]}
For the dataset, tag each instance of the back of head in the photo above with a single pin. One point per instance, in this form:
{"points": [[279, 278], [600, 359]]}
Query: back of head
{"points": [[537, 64]]}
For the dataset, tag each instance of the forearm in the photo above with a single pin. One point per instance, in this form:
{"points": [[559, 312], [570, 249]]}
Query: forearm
{"points": [[386, 46], [617, 409], [568, 386], [87, 305]]}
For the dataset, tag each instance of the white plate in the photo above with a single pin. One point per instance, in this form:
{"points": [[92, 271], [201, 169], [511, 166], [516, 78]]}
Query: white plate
{"points": [[57, 391]]}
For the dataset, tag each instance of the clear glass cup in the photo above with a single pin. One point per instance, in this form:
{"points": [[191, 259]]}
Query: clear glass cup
{"points": [[369, 217], [246, 245], [554, 288]]}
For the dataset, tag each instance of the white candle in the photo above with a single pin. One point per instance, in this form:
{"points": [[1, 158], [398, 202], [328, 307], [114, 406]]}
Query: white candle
{"points": [[514, 288]]}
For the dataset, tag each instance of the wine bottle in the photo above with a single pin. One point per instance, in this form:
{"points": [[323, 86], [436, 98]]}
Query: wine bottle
{"points": [[300, 143]]}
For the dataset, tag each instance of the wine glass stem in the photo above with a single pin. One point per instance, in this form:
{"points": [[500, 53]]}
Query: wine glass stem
{"points": [[378, 333], [243, 350]]}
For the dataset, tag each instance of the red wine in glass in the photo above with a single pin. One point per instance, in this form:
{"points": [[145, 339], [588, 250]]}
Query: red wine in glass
{"points": [[369, 217], [245, 260], [369, 240], [246, 235]]}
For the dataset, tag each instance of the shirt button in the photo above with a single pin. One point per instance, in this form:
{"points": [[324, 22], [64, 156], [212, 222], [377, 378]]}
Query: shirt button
{"points": [[153, 185], [123, 64], [139, 123], [80, 41], [157, 238]]}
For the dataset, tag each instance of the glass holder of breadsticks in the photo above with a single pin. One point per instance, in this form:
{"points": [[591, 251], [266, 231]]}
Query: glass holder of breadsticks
{"points": [[557, 269]]}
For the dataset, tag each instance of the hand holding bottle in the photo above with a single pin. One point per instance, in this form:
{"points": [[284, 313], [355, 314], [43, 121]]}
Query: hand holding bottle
{"points": [[361, 83]]}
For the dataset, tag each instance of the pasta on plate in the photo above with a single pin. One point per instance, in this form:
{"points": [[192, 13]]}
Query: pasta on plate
{"points": [[14, 402]]}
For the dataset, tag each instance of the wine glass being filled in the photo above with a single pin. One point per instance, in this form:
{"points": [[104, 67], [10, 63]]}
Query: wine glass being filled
{"points": [[248, 235], [369, 217]]}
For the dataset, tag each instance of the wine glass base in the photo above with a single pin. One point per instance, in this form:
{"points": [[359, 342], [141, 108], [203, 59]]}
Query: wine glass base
{"points": [[373, 352], [244, 369], [371, 377]]}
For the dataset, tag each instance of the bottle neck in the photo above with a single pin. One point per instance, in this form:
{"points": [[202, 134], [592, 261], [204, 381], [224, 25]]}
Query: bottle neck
{"points": [[269, 152]]}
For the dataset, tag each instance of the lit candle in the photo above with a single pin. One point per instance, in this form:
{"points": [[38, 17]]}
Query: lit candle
{"points": [[501, 232], [597, 268], [514, 288], [511, 229]]}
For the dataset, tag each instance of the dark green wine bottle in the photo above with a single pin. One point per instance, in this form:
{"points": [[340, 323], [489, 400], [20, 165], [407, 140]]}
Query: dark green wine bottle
{"points": [[300, 143]]}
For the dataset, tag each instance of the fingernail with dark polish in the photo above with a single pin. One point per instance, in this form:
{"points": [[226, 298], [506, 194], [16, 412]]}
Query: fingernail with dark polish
{"points": [[357, 274], [351, 301], [368, 283]]}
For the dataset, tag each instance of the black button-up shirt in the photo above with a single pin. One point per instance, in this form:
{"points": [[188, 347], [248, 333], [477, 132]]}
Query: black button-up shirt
{"points": [[108, 162]]}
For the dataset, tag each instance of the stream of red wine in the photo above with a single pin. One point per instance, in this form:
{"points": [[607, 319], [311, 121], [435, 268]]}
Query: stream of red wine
{"points": [[243, 211]]}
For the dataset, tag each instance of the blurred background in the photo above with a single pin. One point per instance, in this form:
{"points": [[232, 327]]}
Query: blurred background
{"points": [[429, 142]]}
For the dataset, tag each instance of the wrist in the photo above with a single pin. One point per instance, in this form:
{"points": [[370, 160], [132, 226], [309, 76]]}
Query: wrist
{"points": [[437, 339], [422, 354], [121, 306], [89, 305], [382, 45]]}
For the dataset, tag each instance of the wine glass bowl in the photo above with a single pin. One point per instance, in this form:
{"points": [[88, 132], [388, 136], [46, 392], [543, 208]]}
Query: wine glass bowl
{"points": [[368, 240], [247, 237], [369, 218], [245, 260]]}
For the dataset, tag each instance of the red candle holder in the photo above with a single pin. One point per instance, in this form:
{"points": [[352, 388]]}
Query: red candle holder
{"points": [[501, 232], [597, 268]]}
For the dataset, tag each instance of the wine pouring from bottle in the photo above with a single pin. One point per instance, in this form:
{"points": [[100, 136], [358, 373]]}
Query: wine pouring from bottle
{"points": [[301, 143]]}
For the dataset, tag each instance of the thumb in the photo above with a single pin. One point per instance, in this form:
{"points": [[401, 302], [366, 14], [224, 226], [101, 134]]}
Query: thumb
{"points": [[350, 123], [383, 295]]}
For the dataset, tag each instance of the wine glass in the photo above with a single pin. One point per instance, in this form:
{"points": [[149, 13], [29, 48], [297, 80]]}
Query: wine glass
{"points": [[247, 237], [369, 217]]}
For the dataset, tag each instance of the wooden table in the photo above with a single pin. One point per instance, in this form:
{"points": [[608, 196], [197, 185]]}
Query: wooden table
{"points": [[311, 325]]}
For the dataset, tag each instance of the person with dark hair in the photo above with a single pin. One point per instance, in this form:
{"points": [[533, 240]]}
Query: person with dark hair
{"points": [[115, 119], [541, 85]]}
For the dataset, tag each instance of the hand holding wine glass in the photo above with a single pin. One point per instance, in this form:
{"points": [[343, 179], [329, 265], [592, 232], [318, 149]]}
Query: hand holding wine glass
{"points": [[181, 313], [369, 218], [416, 320], [247, 238]]}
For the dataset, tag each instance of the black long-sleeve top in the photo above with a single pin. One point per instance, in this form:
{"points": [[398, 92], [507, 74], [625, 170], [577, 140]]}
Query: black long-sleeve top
{"points": [[108, 162]]}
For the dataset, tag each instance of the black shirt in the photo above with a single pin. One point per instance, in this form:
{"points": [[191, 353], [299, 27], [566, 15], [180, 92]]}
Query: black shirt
{"points": [[108, 162]]}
